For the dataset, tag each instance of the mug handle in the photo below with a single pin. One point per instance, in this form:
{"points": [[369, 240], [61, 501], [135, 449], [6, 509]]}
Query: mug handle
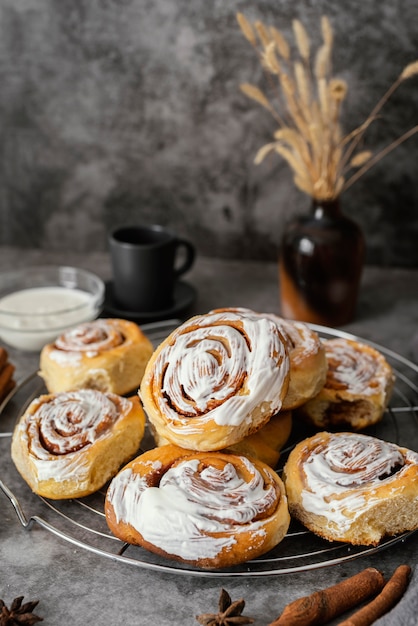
{"points": [[189, 257]]}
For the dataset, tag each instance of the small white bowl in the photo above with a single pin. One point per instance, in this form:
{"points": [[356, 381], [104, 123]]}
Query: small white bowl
{"points": [[37, 304]]}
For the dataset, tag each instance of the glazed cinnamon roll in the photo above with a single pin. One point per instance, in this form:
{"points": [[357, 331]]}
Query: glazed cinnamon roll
{"points": [[353, 488], [216, 379], [307, 361], [207, 509], [70, 444], [357, 389], [105, 354]]}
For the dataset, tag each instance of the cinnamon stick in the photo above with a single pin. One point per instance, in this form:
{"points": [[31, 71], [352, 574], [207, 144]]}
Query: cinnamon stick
{"points": [[384, 602], [7, 389], [6, 376], [3, 357], [323, 606]]}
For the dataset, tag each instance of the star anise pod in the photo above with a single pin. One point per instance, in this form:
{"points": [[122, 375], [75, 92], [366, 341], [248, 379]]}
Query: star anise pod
{"points": [[228, 615], [19, 614]]}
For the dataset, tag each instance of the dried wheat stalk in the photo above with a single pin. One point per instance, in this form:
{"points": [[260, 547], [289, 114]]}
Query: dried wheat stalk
{"points": [[307, 107]]}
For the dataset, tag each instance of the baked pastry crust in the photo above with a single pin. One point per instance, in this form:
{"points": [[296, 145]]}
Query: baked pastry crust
{"points": [[207, 509], [216, 379], [353, 488], [308, 363], [265, 444], [357, 389], [105, 354], [70, 444]]}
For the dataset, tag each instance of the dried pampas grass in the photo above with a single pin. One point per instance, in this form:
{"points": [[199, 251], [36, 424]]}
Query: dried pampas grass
{"points": [[307, 107]]}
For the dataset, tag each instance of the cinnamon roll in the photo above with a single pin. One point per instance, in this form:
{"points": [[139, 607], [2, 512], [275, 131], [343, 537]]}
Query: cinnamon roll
{"points": [[357, 389], [353, 488], [216, 379], [70, 444], [207, 509], [105, 354], [307, 361]]}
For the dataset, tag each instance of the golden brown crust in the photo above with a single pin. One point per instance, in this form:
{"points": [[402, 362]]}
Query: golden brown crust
{"points": [[187, 491], [353, 488], [264, 445], [357, 389], [267, 443], [216, 379], [105, 354], [308, 363], [70, 444]]}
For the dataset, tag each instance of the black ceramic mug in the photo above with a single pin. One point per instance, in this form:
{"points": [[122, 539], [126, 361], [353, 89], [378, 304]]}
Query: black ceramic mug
{"points": [[146, 262]]}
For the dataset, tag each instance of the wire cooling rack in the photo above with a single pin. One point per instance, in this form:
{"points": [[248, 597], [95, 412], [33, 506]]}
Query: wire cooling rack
{"points": [[82, 522]]}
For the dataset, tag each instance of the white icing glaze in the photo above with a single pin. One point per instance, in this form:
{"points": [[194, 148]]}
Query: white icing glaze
{"points": [[189, 510], [341, 476], [220, 366], [87, 340], [303, 341], [61, 357], [300, 339], [57, 429], [361, 373]]}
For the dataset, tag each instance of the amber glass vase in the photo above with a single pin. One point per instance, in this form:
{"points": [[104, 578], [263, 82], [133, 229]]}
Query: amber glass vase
{"points": [[320, 265]]}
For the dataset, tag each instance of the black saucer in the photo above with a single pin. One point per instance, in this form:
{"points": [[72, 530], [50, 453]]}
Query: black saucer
{"points": [[184, 296]]}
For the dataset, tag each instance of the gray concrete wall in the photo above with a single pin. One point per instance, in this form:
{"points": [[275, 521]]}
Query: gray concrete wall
{"points": [[117, 111]]}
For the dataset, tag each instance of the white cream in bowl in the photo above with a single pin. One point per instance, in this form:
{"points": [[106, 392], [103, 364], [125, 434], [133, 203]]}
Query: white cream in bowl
{"points": [[30, 318]]}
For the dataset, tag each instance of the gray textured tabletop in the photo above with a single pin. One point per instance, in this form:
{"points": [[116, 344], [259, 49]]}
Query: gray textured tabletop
{"points": [[75, 586]]}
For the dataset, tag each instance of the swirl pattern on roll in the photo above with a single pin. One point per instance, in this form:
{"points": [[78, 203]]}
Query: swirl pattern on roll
{"points": [[218, 367], [63, 423], [194, 505], [307, 361], [91, 338], [69, 444], [355, 367], [301, 341], [342, 471]]}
